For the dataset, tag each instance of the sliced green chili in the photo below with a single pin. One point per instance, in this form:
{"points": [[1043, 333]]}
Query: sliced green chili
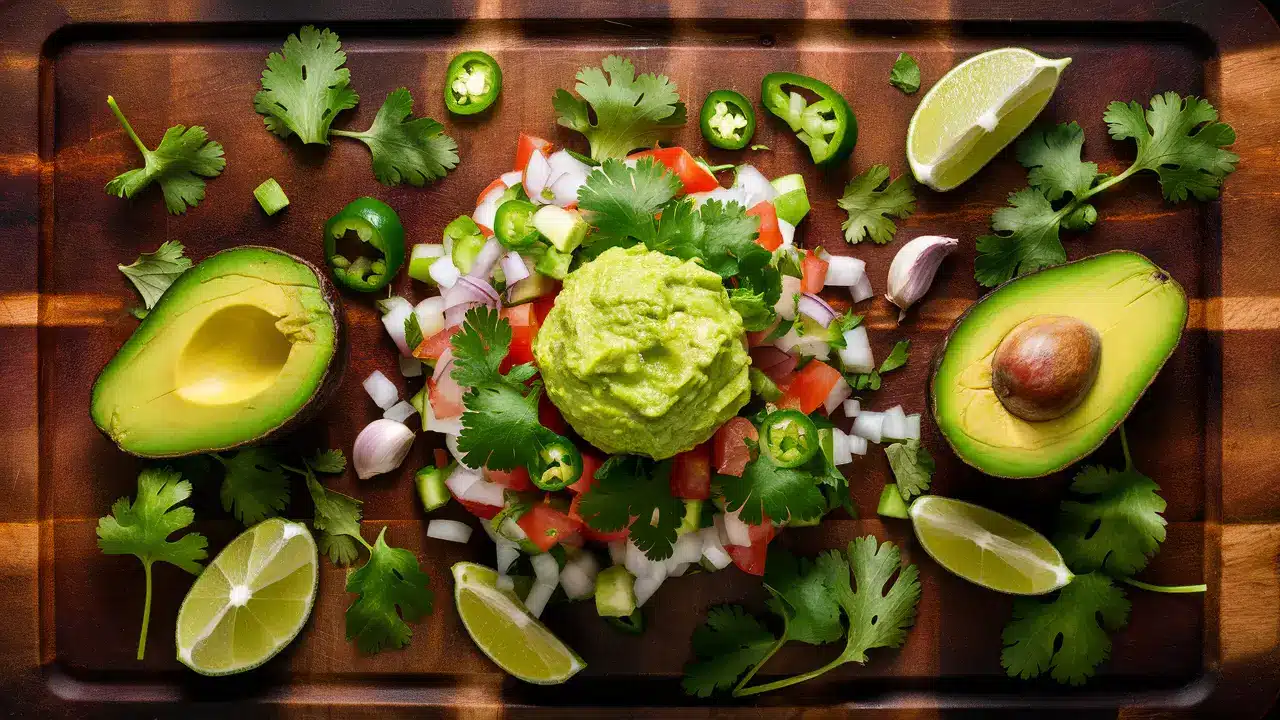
{"points": [[378, 227], [789, 437], [727, 120], [557, 465], [827, 125], [472, 83], [513, 224]]}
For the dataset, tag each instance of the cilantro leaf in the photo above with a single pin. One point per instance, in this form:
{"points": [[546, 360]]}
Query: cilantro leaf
{"points": [[631, 111], [415, 151], [305, 86], [896, 358], [1026, 239], [254, 486], [871, 199], [635, 492], [1053, 160], [412, 331], [905, 74], [1119, 528], [152, 273], [1180, 139], [337, 516], [912, 467], [765, 489], [391, 590], [1067, 635], [331, 462], [729, 643], [757, 313], [341, 549], [479, 348], [184, 157], [500, 427], [142, 528], [620, 202], [877, 617], [802, 597], [725, 241]]}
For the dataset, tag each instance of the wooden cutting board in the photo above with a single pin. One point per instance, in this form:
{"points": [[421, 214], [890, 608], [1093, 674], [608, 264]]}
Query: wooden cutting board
{"points": [[1206, 432]]}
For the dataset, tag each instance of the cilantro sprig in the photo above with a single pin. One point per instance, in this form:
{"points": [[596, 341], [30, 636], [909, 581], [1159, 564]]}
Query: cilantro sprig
{"points": [[142, 528], [871, 200], [1179, 139], [896, 358], [184, 157], [152, 273], [630, 111], [632, 491], [405, 148], [254, 486], [851, 594]]}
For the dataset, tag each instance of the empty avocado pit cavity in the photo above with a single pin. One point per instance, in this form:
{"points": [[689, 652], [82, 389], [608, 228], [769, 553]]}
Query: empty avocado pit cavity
{"points": [[234, 355], [1045, 366]]}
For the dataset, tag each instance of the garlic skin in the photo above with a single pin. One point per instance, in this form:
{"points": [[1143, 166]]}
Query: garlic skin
{"points": [[381, 446], [913, 269]]}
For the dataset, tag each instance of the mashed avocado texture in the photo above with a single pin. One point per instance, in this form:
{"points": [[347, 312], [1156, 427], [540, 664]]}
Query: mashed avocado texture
{"points": [[643, 354]]}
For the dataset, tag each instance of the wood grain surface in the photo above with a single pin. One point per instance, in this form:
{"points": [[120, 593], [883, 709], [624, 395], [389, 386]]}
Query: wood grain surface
{"points": [[1206, 430]]}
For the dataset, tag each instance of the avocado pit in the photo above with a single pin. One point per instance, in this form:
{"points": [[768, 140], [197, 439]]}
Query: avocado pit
{"points": [[1045, 366]]}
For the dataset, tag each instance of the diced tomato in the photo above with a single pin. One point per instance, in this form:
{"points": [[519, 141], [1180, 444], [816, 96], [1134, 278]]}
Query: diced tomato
{"points": [[495, 185], [731, 451], [517, 479], [441, 457], [484, 512], [591, 533], [542, 306], [751, 559], [694, 177], [770, 237], [525, 147], [691, 473], [550, 417], [520, 315], [485, 231], [524, 327], [547, 526], [810, 388], [590, 464], [445, 398], [813, 273], [433, 347]]}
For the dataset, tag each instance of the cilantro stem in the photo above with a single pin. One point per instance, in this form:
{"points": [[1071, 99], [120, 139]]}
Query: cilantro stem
{"points": [[1169, 589], [1134, 168], [782, 640], [1124, 445], [129, 130], [789, 681], [146, 612]]}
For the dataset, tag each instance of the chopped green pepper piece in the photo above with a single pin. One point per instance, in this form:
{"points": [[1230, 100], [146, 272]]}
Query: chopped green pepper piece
{"points": [[827, 126], [431, 488], [464, 240], [764, 387], [615, 592], [692, 521], [789, 437], [891, 504], [557, 465], [727, 120], [472, 83], [552, 263], [378, 227], [792, 203], [271, 196]]}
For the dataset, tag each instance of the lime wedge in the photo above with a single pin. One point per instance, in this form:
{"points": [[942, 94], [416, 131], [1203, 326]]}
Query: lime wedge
{"points": [[987, 548], [500, 626], [975, 110], [251, 601]]}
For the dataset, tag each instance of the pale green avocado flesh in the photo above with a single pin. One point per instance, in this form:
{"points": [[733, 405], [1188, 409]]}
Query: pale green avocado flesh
{"points": [[233, 351], [1136, 307], [643, 354]]}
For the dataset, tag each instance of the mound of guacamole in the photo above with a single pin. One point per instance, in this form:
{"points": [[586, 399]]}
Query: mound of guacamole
{"points": [[643, 354]]}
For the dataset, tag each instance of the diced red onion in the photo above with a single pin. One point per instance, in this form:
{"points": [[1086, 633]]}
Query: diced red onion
{"points": [[856, 354], [753, 185], [869, 425], [511, 179], [488, 257], [400, 412], [842, 270], [382, 391], [786, 305], [861, 290], [513, 267], [537, 174], [470, 291], [444, 272], [773, 362], [455, 315], [816, 308], [380, 447], [839, 393], [449, 530], [398, 310], [895, 423]]}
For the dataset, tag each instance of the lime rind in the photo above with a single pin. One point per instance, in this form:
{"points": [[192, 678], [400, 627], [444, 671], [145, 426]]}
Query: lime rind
{"points": [[251, 601]]}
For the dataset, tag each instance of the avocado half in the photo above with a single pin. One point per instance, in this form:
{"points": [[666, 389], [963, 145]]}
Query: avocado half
{"points": [[240, 348], [1136, 307]]}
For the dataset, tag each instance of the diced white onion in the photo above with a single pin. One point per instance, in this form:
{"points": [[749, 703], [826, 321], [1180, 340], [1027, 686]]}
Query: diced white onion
{"points": [[382, 391], [786, 305], [869, 425], [505, 582], [484, 492], [398, 310], [450, 530], [444, 272], [637, 563], [717, 556], [687, 549], [678, 569], [755, 187], [482, 267], [430, 314], [514, 267], [537, 175], [913, 427], [427, 251], [400, 412], [540, 593], [646, 586], [451, 427], [861, 290], [787, 231], [451, 442], [844, 271], [856, 354], [736, 532], [487, 209], [545, 568], [565, 188], [840, 454], [507, 551], [410, 367], [857, 445], [895, 423], [618, 552], [810, 345], [575, 582], [852, 408], [511, 179], [461, 480], [838, 395], [512, 530]]}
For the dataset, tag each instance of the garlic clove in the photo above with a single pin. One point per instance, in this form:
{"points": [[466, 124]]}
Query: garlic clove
{"points": [[380, 447], [914, 267]]}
